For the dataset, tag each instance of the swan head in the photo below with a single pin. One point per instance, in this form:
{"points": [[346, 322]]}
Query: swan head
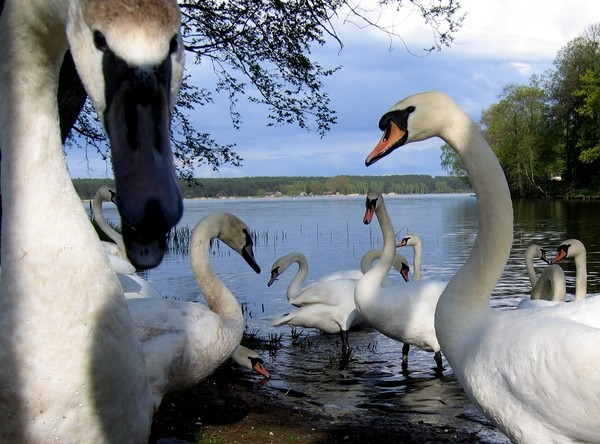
{"points": [[535, 251], [236, 235], [569, 249], [129, 56], [282, 264], [374, 201], [249, 358], [417, 117], [410, 240]]}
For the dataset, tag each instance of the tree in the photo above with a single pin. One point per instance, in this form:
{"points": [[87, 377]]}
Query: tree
{"points": [[260, 50], [568, 87], [517, 130]]}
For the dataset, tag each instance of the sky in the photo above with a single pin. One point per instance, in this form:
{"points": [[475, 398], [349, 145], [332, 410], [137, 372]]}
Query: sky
{"points": [[501, 42]]}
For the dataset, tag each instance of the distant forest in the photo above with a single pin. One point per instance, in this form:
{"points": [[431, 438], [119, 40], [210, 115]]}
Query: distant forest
{"points": [[301, 186]]}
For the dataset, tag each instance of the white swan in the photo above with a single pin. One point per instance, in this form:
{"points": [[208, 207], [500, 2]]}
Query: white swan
{"points": [[185, 342], [505, 360], [414, 241], [550, 287], [575, 249], [402, 312], [72, 368], [323, 290], [134, 286]]}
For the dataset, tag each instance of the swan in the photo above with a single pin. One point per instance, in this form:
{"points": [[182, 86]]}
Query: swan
{"points": [[414, 241], [323, 290], [72, 367], [184, 342], [401, 312], [550, 288], [575, 249], [134, 286], [505, 360]]}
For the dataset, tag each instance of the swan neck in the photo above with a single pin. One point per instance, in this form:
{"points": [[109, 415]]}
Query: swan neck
{"points": [[297, 281], [580, 277], [467, 295], [104, 225], [530, 268], [217, 295], [417, 262]]}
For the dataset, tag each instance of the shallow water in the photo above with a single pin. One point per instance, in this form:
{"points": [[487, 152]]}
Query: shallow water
{"points": [[330, 233]]}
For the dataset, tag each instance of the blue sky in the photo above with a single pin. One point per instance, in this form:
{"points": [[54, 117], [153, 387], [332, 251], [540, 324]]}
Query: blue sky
{"points": [[501, 42]]}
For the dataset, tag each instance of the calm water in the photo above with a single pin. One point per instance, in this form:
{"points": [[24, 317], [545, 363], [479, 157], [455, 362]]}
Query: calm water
{"points": [[330, 233]]}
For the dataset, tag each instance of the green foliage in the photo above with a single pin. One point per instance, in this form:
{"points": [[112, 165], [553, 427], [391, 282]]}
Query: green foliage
{"points": [[301, 186], [550, 128]]}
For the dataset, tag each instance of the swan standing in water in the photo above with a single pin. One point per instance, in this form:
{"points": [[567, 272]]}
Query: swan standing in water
{"points": [[322, 290], [575, 249], [550, 288], [327, 305], [505, 360], [185, 342], [402, 312], [72, 367]]}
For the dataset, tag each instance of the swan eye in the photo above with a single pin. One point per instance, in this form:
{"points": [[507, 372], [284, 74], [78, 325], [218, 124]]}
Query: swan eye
{"points": [[410, 109], [173, 45], [100, 41]]}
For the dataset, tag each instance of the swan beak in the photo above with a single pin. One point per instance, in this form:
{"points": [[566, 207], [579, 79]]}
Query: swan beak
{"points": [[274, 276], [248, 253], [544, 257], [137, 121], [393, 137], [260, 368], [560, 255]]}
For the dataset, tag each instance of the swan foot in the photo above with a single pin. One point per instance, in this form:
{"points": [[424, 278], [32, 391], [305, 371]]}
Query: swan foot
{"points": [[438, 359], [405, 349], [345, 343]]}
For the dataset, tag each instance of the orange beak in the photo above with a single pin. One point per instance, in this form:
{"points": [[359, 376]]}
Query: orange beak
{"points": [[392, 137], [559, 256], [260, 368]]}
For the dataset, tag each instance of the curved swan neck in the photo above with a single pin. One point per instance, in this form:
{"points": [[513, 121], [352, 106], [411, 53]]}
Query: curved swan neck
{"points": [[529, 255], [103, 224], [217, 295], [469, 291], [298, 280]]}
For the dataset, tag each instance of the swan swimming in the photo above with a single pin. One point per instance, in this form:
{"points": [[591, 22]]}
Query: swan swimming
{"points": [[402, 312], [550, 288], [72, 367], [505, 360]]}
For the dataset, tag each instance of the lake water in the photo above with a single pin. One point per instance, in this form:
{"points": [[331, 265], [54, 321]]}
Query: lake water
{"points": [[329, 231]]}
